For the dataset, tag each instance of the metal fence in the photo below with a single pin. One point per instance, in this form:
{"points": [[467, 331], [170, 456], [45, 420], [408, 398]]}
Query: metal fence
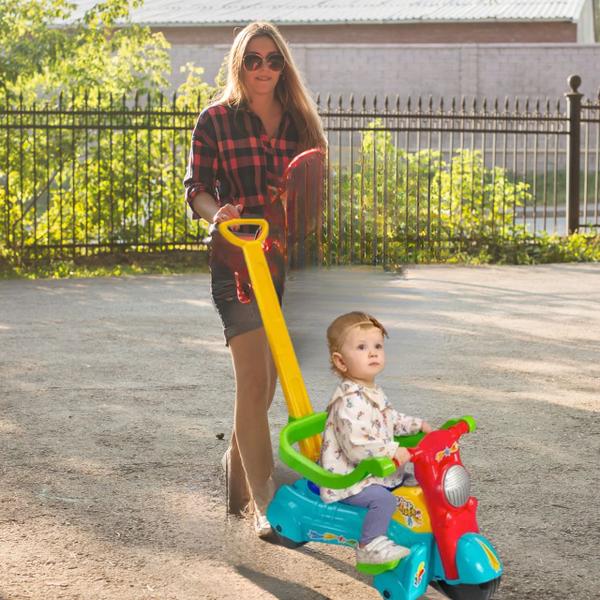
{"points": [[406, 180], [94, 174]]}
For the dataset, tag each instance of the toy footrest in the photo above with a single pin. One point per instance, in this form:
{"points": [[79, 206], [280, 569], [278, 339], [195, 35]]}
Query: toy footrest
{"points": [[370, 569]]}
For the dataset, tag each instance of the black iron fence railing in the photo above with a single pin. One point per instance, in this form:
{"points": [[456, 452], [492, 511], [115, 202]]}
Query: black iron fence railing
{"points": [[406, 180], [96, 175]]}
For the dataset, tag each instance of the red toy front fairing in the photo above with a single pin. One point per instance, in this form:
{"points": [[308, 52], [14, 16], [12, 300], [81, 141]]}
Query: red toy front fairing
{"points": [[448, 522]]}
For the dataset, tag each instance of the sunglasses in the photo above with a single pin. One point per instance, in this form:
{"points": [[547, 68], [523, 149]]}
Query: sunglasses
{"points": [[273, 61]]}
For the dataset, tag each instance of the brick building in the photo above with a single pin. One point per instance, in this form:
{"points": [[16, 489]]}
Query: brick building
{"points": [[430, 47]]}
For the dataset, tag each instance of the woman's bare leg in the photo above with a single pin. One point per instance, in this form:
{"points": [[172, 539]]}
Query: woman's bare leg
{"points": [[238, 492], [255, 378]]}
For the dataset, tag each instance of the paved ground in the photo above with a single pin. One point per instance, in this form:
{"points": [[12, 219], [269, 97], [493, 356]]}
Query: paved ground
{"points": [[113, 392]]}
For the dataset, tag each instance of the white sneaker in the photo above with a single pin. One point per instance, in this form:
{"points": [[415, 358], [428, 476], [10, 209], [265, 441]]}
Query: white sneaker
{"points": [[379, 551], [261, 524]]}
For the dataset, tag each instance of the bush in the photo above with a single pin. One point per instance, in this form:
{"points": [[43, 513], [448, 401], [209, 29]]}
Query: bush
{"points": [[395, 206]]}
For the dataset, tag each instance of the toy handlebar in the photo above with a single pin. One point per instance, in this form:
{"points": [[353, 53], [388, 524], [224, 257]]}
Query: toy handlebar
{"points": [[412, 440], [454, 429], [314, 424]]}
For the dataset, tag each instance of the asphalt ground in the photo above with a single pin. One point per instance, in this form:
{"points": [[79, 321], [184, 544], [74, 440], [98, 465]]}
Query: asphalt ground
{"points": [[115, 394]]}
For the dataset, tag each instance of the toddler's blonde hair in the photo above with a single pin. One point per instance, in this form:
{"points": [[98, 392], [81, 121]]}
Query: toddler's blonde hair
{"points": [[339, 328]]}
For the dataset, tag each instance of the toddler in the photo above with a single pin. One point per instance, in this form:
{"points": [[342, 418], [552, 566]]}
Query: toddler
{"points": [[361, 424]]}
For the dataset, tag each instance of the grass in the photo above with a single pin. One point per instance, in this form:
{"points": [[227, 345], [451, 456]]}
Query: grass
{"points": [[523, 250], [107, 265]]}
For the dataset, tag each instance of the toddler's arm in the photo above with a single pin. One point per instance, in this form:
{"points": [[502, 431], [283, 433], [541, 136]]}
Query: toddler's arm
{"points": [[355, 433]]}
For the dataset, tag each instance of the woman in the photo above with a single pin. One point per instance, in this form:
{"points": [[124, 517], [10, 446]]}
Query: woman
{"points": [[241, 146]]}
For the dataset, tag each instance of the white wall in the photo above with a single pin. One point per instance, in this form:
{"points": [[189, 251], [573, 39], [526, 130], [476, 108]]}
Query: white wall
{"points": [[532, 70]]}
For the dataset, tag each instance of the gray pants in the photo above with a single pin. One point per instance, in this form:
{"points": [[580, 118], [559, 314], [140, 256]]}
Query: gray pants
{"points": [[381, 504]]}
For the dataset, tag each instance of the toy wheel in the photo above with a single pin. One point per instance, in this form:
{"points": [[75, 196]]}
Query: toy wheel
{"points": [[463, 591], [281, 540]]}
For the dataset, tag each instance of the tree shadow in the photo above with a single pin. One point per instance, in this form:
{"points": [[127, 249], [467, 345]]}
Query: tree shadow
{"points": [[279, 588]]}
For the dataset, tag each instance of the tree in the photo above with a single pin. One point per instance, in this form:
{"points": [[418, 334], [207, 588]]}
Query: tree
{"points": [[98, 163], [46, 50]]}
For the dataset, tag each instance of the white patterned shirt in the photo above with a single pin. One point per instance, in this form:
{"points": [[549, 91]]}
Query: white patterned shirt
{"points": [[361, 423]]}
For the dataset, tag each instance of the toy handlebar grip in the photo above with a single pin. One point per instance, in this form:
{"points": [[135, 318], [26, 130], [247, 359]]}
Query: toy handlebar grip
{"points": [[464, 425], [460, 429], [457, 427], [238, 241]]}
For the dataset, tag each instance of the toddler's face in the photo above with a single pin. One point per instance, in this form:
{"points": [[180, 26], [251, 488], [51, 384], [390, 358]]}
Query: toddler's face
{"points": [[362, 356]]}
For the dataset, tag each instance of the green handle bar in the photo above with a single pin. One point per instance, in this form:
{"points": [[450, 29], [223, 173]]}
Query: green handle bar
{"points": [[314, 424]]}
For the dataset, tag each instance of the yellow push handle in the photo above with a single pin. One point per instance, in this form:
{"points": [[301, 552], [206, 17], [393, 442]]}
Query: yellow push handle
{"points": [[294, 390], [241, 242]]}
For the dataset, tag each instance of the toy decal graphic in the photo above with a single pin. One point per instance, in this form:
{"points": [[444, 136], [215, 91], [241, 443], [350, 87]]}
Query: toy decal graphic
{"points": [[412, 515], [419, 574], [446, 452], [316, 536], [494, 562], [411, 510]]}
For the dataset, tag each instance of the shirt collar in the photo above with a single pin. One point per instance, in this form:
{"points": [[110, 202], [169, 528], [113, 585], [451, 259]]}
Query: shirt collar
{"points": [[374, 394], [244, 112]]}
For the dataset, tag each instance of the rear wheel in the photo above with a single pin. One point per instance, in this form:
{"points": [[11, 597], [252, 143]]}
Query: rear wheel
{"points": [[281, 540], [464, 591]]}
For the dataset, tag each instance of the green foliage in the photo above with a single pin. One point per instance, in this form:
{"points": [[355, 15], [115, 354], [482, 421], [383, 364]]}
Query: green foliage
{"points": [[111, 265], [194, 94], [577, 247], [53, 52], [423, 207], [107, 178], [27, 43], [87, 168]]}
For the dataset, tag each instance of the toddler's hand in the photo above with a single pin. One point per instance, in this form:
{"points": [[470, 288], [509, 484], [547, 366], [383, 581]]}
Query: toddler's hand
{"points": [[402, 456], [426, 427]]}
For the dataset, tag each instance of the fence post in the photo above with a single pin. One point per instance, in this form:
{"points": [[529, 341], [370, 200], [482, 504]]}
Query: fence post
{"points": [[573, 150]]}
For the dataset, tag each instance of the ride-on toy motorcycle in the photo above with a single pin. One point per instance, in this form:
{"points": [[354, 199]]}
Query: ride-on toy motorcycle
{"points": [[435, 519]]}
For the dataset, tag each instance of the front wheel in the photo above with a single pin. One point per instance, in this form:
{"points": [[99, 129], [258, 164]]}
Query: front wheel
{"points": [[465, 591]]}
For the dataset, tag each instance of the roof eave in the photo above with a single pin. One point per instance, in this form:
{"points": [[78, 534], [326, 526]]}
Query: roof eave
{"points": [[338, 22]]}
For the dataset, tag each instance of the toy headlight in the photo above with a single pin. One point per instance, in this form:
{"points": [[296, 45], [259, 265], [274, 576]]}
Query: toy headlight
{"points": [[456, 485]]}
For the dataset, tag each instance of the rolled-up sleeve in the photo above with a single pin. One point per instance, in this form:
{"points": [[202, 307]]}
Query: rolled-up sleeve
{"points": [[355, 434], [201, 173]]}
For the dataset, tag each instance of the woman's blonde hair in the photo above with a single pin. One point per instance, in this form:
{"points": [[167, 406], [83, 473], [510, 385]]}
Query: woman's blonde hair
{"points": [[340, 327], [290, 90]]}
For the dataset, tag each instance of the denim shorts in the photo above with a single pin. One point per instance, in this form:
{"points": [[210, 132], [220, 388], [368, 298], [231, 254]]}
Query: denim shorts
{"points": [[237, 318]]}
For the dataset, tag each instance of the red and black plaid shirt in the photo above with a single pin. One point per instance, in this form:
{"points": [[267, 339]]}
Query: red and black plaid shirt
{"points": [[233, 159]]}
